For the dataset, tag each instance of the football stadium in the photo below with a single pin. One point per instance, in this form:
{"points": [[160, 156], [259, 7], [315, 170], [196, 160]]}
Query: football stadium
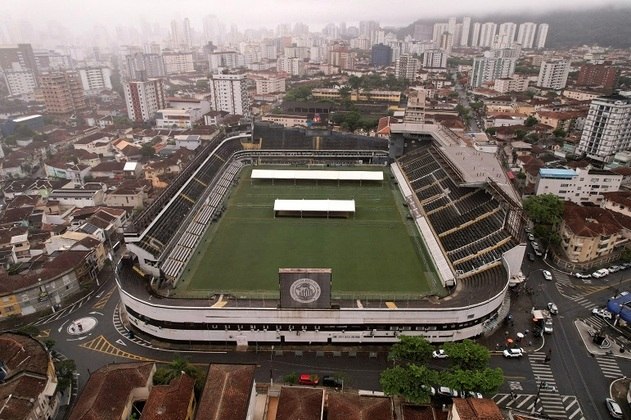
{"points": [[308, 235]]}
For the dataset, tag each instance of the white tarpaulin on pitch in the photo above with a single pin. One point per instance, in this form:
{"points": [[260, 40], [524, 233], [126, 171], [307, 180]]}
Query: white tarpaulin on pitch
{"points": [[315, 205], [317, 175]]}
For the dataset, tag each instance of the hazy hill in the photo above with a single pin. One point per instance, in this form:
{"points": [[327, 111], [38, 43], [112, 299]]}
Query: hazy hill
{"points": [[607, 27]]}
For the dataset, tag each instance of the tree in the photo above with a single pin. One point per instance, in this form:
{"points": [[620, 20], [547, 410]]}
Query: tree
{"points": [[165, 374], [298, 93], [559, 132], [467, 355], [410, 382], [485, 380], [531, 121], [147, 150], [65, 370], [411, 350], [345, 92], [546, 211], [355, 82]]}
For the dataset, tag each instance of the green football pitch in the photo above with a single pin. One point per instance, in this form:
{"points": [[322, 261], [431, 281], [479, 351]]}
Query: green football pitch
{"points": [[376, 252]]}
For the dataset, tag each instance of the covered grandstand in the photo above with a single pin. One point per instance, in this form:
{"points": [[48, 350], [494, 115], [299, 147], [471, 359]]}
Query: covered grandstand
{"points": [[471, 230]]}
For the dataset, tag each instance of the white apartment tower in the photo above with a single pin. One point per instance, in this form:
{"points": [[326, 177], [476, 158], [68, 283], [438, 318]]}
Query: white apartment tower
{"points": [[526, 34], [435, 59], [228, 92], [542, 34], [487, 34], [607, 128], [464, 36], [506, 35], [553, 74], [475, 35], [144, 99], [439, 30], [176, 63]]}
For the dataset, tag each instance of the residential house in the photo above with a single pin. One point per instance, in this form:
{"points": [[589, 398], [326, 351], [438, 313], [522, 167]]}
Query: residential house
{"points": [[228, 389], [79, 197], [59, 167], [98, 143], [29, 386], [109, 169], [173, 401], [347, 406], [474, 409], [129, 194]]}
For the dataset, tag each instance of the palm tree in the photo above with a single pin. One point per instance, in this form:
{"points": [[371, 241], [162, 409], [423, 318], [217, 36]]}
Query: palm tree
{"points": [[178, 366]]}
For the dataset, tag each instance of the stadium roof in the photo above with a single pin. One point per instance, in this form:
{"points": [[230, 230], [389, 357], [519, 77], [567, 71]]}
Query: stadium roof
{"points": [[315, 175], [315, 205]]}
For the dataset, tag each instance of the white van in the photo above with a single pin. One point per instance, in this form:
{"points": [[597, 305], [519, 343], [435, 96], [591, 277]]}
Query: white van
{"points": [[600, 273]]}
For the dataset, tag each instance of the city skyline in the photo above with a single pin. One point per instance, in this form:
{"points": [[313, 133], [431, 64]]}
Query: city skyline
{"points": [[79, 16]]}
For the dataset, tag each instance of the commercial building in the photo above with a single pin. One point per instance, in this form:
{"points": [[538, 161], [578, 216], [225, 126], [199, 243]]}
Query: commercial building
{"points": [[607, 128], [228, 93], [62, 92], [577, 185], [553, 74], [144, 99]]}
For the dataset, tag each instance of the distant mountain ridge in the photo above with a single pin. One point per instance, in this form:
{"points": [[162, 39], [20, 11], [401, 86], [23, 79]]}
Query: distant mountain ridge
{"points": [[607, 27]]}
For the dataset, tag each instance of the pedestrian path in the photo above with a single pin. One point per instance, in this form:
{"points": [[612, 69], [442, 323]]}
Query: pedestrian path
{"points": [[609, 366], [528, 403], [549, 397]]}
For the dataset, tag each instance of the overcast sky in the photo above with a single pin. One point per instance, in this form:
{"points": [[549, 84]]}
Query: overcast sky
{"points": [[82, 14]]}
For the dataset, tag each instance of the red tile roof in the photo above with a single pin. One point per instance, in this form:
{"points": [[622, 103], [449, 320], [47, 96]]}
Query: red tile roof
{"points": [[108, 390], [593, 221], [344, 406], [170, 401], [226, 392], [300, 403], [477, 409]]}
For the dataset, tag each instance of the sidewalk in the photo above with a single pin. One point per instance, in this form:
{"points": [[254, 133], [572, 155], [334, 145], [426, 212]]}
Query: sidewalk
{"points": [[586, 332]]}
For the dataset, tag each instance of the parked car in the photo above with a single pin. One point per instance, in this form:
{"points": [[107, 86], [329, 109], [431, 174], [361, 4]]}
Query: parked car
{"points": [[582, 275], [447, 392], [513, 353], [430, 389], [308, 379], [600, 273], [552, 307], [614, 268], [547, 275], [531, 237], [473, 394], [332, 382], [603, 313], [614, 408], [531, 256], [538, 252], [439, 354]]}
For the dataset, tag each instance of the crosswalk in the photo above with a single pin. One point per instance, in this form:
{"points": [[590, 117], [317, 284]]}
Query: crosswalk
{"points": [[62, 312], [551, 401], [528, 403], [118, 324], [609, 366], [575, 292]]}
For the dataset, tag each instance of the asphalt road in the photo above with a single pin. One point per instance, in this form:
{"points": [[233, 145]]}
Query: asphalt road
{"points": [[575, 371]]}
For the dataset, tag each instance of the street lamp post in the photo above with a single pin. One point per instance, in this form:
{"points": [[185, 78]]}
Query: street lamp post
{"points": [[271, 369]]}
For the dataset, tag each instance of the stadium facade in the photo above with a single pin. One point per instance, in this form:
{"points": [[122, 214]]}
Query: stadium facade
{"points": [[459, 199]]}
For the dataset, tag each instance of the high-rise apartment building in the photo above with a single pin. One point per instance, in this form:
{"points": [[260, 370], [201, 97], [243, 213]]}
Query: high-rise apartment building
{"points": [[495, 64], [542, 35], [291, 66], [607, 128], [464, 35], [62, 92], [221, 60], [406, 67], [341, 57], [526, 34], [553, 74], [487, 34], [435, 59], [506, 35], [415, 109], [178, 62], [598, 75], [423, 32], [95, 79], [439, 30], [381, 55], [475, 35], [141, 66], [144, 99], [20, 54], [19, 81], [228, 92]]}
